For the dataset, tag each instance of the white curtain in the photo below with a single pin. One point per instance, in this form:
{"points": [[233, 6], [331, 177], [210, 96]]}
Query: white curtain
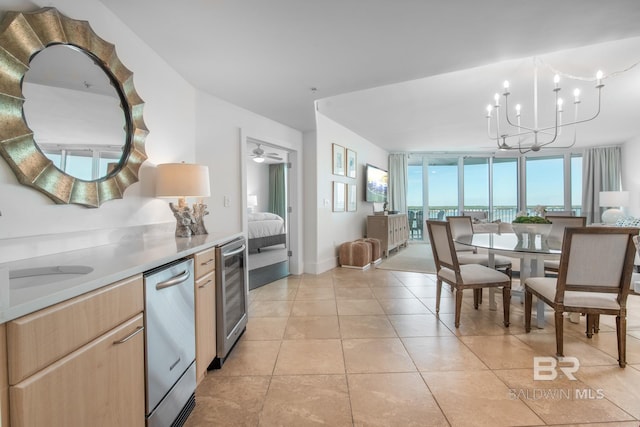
{"points": [[398, 182], [601, 171]]}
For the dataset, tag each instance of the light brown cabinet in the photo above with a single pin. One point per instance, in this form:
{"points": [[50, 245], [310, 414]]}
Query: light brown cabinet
{"points": [[80, 362], [392, 230], [205, 302]]}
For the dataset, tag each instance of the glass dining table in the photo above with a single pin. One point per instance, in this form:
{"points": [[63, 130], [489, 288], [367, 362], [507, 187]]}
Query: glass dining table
{"points": [[531, 250]]}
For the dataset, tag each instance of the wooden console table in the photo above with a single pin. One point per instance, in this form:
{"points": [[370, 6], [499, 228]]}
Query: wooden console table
{"points": [[392, 230]]}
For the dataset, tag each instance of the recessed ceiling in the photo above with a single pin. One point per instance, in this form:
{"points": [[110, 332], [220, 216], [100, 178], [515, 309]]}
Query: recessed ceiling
{"points": [[436, 63]]}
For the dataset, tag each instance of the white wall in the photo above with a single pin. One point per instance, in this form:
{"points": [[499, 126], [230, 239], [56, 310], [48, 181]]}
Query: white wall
{"points": [[258, 183], [631, 175], [334, 228], [184, 124], [169, 113], [222, 130]]}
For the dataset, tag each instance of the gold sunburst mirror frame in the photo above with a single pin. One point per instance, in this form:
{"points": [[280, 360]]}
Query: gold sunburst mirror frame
{"points": [[23, 35]]}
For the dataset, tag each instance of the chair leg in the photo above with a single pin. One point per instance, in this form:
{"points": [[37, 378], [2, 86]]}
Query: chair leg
{"points": [[506, 304], [528, 298], [479, 295], [476, 298], [458, 307], [621, 330], [438, 292], [559, 333], [592, 324]]}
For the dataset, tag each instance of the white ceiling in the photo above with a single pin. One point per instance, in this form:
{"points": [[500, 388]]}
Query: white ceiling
{"points": [[409, 75]]}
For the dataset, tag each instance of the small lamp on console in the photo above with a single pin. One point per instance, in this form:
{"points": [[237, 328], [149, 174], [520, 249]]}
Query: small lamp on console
{"points": [[613, 200], [182, 180]]}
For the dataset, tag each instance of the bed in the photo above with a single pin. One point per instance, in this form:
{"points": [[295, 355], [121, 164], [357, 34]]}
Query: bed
{"points": [[265, 229]]}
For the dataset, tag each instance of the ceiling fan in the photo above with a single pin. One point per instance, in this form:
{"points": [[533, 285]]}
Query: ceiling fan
{"points": [[259, 155]]}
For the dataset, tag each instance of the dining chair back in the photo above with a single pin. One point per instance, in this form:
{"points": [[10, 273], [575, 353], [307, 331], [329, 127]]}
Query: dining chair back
{"points": [[460, 277], [560, 213], [554, 240], [461, 225], [594, 278], [560, 222]]}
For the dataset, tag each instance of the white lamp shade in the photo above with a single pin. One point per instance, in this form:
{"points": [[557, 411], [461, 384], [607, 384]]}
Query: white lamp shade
{"points": [[614, 198], [252, 201], [182, 180]]}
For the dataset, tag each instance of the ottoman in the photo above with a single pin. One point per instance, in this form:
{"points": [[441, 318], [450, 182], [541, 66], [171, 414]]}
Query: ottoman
{"points": [[355, 255]]}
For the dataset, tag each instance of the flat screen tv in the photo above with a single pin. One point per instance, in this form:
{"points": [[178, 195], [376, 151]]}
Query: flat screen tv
{"points": [[377, 184]]}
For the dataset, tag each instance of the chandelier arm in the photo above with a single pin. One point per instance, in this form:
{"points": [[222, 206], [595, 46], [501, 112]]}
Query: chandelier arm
{"points": [[506, 114]]}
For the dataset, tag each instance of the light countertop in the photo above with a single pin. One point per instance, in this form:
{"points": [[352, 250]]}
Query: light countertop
{"points": [[110, 263]]}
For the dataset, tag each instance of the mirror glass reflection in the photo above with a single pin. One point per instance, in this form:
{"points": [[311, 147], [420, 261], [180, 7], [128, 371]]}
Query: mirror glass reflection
{"points": [[74, 112]]}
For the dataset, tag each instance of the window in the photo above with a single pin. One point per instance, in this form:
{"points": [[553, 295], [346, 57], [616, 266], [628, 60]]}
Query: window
{"points": [[443, 187], [576, 184], [505, 189], [545, 183], [476, 184]]}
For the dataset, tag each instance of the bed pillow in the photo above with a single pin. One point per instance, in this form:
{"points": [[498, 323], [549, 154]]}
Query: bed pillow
{"points": [[262, 216]]}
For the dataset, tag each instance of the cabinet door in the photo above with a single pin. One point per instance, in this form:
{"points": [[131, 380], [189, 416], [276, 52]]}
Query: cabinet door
{"points": [[205, 323], [100, 384]]}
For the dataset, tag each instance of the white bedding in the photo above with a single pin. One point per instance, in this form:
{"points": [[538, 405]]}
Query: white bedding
{"points": [[263, 224]]}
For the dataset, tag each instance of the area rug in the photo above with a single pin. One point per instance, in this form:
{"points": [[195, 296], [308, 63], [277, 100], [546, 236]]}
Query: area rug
{"points": [[415, 257]]}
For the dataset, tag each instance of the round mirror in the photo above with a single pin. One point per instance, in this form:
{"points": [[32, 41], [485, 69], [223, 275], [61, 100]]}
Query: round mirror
{"points": [[74, 113], [35, 125]]}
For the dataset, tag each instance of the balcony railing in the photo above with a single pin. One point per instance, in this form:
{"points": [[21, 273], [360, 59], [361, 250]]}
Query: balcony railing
{"points": [[502, 213]]}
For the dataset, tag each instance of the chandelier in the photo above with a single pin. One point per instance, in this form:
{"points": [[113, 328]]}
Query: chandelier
{"points": [[524, 138]]}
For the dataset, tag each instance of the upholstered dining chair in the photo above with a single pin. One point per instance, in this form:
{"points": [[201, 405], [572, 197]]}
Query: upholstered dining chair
{"points": [[558, 224], [461, 277], [594, 277], [461, 225]]}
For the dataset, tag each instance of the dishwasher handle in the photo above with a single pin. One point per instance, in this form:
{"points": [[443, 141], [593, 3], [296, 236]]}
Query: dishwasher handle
{"points": [[234, 252], [175, 280]]}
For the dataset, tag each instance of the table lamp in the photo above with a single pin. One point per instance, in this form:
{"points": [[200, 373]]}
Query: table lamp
{"points": [[252, 202], [182, 180], [613, 200]]}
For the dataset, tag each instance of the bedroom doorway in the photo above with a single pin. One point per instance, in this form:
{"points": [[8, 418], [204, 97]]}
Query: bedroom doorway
{"points": [[268, 207]]}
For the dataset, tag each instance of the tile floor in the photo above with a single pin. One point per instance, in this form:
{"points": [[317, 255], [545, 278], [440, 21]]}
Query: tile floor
{"points": [[354, 348]]}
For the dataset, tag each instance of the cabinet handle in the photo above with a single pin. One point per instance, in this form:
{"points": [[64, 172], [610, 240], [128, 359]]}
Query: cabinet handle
{"points": [[207, 262], [176, 280], [205, 284], [131, 335]]}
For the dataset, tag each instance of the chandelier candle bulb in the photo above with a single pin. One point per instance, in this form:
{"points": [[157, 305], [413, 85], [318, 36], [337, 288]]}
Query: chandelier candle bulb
{"points": [[533, 137]]}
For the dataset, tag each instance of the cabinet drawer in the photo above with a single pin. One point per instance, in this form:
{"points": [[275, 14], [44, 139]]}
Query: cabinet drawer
{"points": [[205, 262], [39, 339], [100, 384]]}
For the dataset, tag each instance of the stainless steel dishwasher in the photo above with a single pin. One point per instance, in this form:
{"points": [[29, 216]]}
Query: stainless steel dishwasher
{"points": [[170, 343]]}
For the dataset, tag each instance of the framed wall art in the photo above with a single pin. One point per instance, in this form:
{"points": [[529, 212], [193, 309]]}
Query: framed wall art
{"points": [[351, 163], [338, 160], [352, 198], [338, 196]]}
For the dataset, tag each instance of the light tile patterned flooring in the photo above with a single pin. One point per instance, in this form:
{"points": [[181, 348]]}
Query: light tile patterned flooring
{"points": [[354, 348]]}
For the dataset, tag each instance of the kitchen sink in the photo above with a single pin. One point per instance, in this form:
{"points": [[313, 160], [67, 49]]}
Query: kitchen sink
{"points": [[37, 276]]}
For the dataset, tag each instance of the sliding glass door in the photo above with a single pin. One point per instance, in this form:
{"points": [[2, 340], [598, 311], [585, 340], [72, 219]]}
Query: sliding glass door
{"points": [[501, 186], [476, 184], [504, 189]]}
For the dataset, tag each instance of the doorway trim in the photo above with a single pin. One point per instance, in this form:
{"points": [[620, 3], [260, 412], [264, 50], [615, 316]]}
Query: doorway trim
{"points": [[295, 193]]}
